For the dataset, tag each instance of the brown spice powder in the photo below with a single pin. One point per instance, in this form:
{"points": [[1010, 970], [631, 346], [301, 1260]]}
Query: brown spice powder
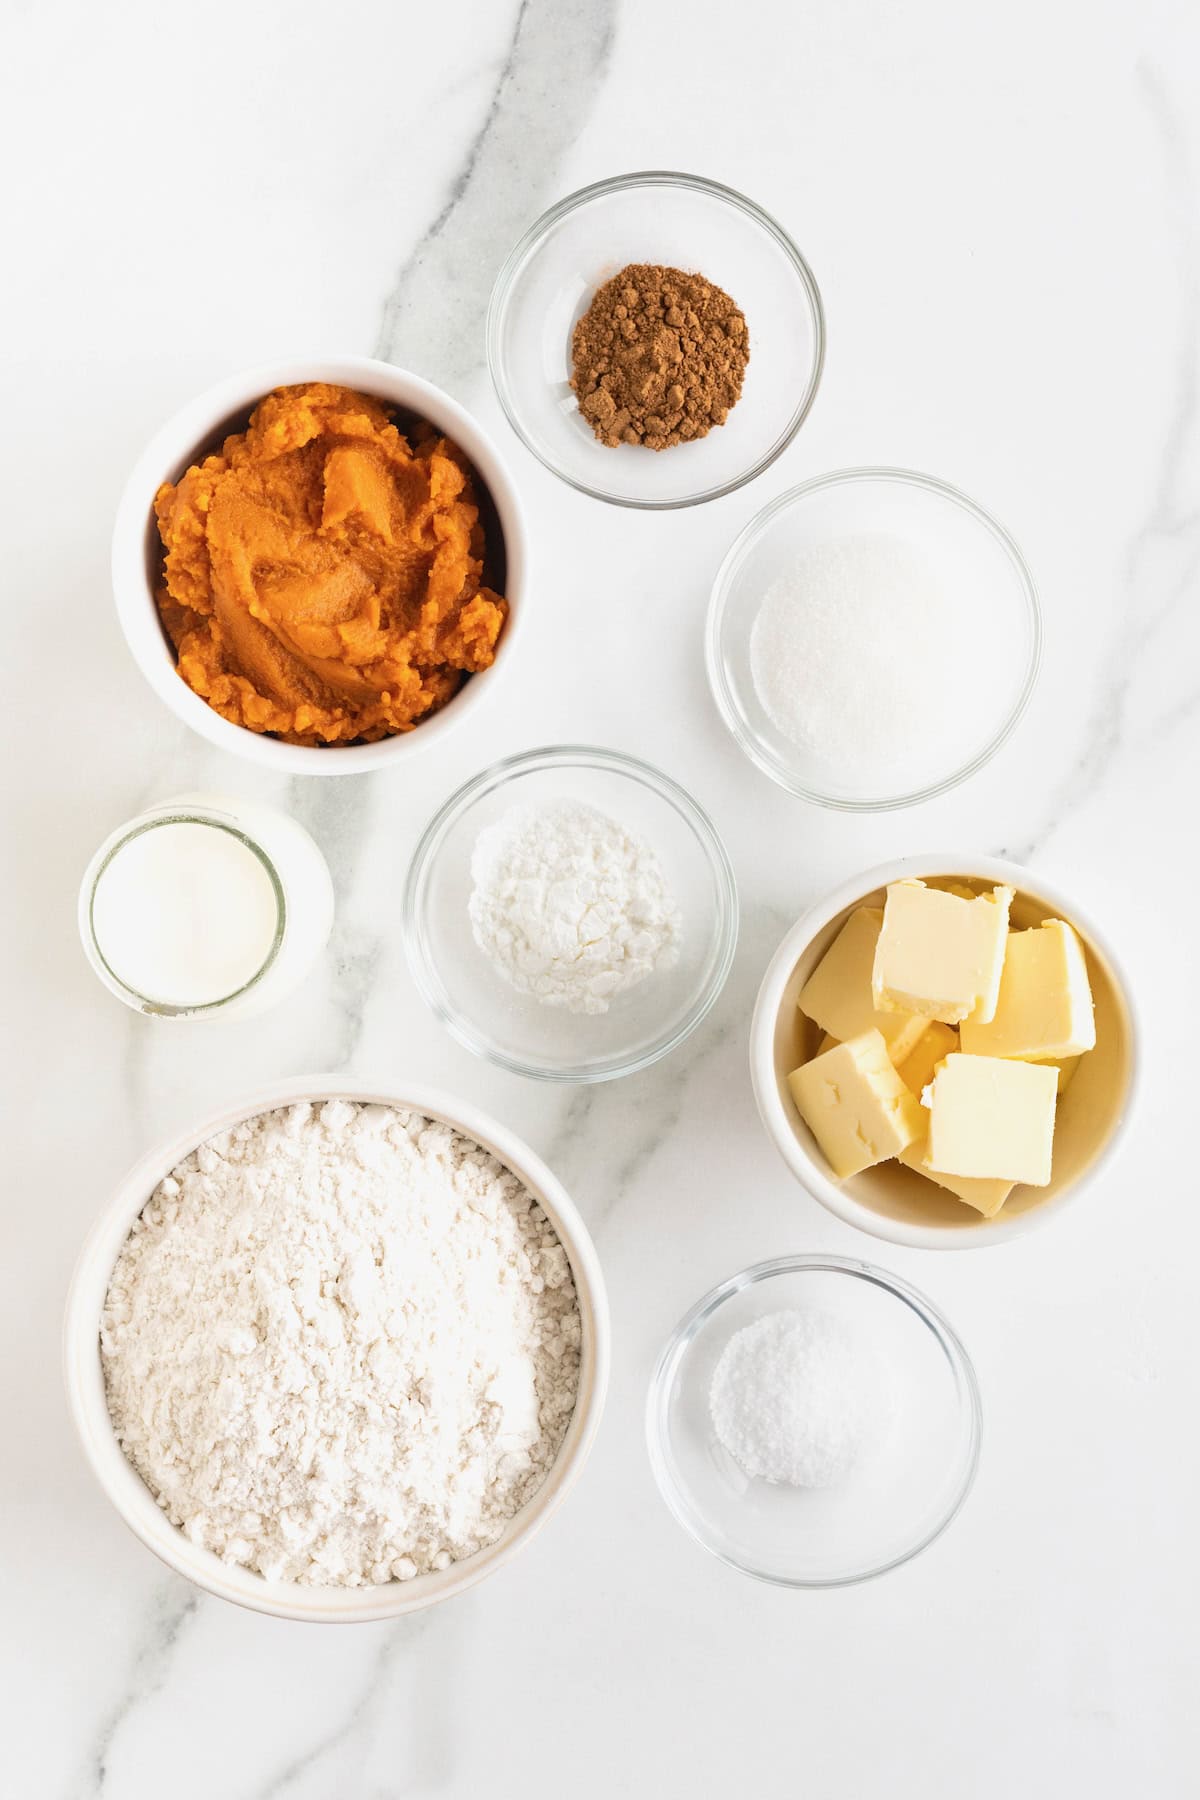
{"points": [[659, 357]]}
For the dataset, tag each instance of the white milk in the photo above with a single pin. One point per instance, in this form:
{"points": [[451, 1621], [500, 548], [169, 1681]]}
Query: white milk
{"points": [[206, 904], [185, 914]]}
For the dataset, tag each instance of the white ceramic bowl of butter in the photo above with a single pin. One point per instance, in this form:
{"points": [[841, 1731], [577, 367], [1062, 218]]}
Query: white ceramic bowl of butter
{"points": [[889, 1200], [84, 1375]]}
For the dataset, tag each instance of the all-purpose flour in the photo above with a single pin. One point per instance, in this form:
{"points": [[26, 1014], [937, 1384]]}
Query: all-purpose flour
{"points": [[569, 906], [341, 1345]]}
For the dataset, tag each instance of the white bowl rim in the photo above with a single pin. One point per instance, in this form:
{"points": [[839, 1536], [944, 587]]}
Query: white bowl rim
{"points": [[178, 437], [807, 1263], [528, 243], [133, 1500], [714, 658], [983, 1233], [550, 756]]}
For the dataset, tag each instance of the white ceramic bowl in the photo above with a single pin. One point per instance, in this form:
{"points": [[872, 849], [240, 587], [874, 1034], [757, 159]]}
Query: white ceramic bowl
{"points": [[891, 1201], [199, 428], [134, 1501]]}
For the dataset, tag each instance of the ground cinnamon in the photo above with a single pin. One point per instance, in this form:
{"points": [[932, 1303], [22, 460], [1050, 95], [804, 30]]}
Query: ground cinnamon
{"points": [[659, 357]]}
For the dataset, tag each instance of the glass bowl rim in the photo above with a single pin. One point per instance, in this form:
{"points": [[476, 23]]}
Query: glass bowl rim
{"points": [[715, 660], [685, 1334], [150, 820], [531, 240], [499, 774]]}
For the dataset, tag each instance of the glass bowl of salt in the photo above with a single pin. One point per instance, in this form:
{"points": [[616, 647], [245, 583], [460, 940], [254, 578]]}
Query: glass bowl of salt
{"points": [[814, 1421], [873, 638]]}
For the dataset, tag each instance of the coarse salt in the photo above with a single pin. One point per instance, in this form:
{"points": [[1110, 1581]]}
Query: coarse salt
{"points": [[795, 1397]]}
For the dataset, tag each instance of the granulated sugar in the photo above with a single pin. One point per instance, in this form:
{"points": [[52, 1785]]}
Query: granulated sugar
{"points": [[860, 656], [794, 1398], [341, 1345]]}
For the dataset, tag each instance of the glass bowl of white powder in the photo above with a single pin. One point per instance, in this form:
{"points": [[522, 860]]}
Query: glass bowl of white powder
{"points": [[814, 1421], [570, 914], [873, 638]]}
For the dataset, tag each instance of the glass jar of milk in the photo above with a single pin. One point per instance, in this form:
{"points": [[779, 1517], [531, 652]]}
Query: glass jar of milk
{"points": [[205, 906]]}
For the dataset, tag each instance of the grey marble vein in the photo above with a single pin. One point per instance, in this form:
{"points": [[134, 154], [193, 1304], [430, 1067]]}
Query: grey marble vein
{"points": [[427, 1747], [433, 320], [1164, 554], [356, 954], [650, 1106], [638, 1113], [339, 814], [174, 1606], [573, 1124], [649, 1123], [557, 56]]}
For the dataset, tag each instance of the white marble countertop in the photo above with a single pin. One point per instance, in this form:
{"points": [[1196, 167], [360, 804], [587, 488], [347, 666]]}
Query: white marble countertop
{"points": [[1002, 210]]}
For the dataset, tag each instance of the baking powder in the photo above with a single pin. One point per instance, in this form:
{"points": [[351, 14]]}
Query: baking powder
{"points": [[570, 907]]}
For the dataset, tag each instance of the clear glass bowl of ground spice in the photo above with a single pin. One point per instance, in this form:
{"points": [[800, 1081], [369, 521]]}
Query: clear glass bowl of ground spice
{"points": [[814, 1421], [656, 340]]}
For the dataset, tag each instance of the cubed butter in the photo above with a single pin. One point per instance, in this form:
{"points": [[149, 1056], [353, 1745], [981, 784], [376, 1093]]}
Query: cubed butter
{"points": [[856, 1105], [992, 1119], [1066, 1073], [987, 1197], [938, 955], [916, 1071], [1044, 1011], [837, 995]]}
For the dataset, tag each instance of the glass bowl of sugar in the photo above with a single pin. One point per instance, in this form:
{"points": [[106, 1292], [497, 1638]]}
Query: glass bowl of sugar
{"points": [[814, 1421], [570, 914], [873, 639]]}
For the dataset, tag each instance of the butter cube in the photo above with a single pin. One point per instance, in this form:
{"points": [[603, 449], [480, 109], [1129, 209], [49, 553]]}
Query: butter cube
{"points": [[855, 1104], [1066, 1073], [987, 1197], [1044, 1011], [992, 1119], [938, 955], [916, 1071], [837, 995]]}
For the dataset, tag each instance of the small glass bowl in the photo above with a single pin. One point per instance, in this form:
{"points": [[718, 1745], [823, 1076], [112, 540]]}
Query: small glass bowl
{"points": [[681, 221], [901, 1493], [968, 552], [515, 1030]]}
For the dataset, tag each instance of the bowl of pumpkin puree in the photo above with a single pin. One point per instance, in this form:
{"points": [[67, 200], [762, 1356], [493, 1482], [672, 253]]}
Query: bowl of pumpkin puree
{"points": [[320, 566]]}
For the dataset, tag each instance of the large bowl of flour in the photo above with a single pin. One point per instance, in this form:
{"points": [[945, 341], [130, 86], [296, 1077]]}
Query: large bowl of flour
{"points": [[338, 1350]]}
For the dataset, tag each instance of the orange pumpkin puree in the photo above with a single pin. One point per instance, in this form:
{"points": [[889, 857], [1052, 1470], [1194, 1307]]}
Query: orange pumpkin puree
{"points": [[322, 577]]}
